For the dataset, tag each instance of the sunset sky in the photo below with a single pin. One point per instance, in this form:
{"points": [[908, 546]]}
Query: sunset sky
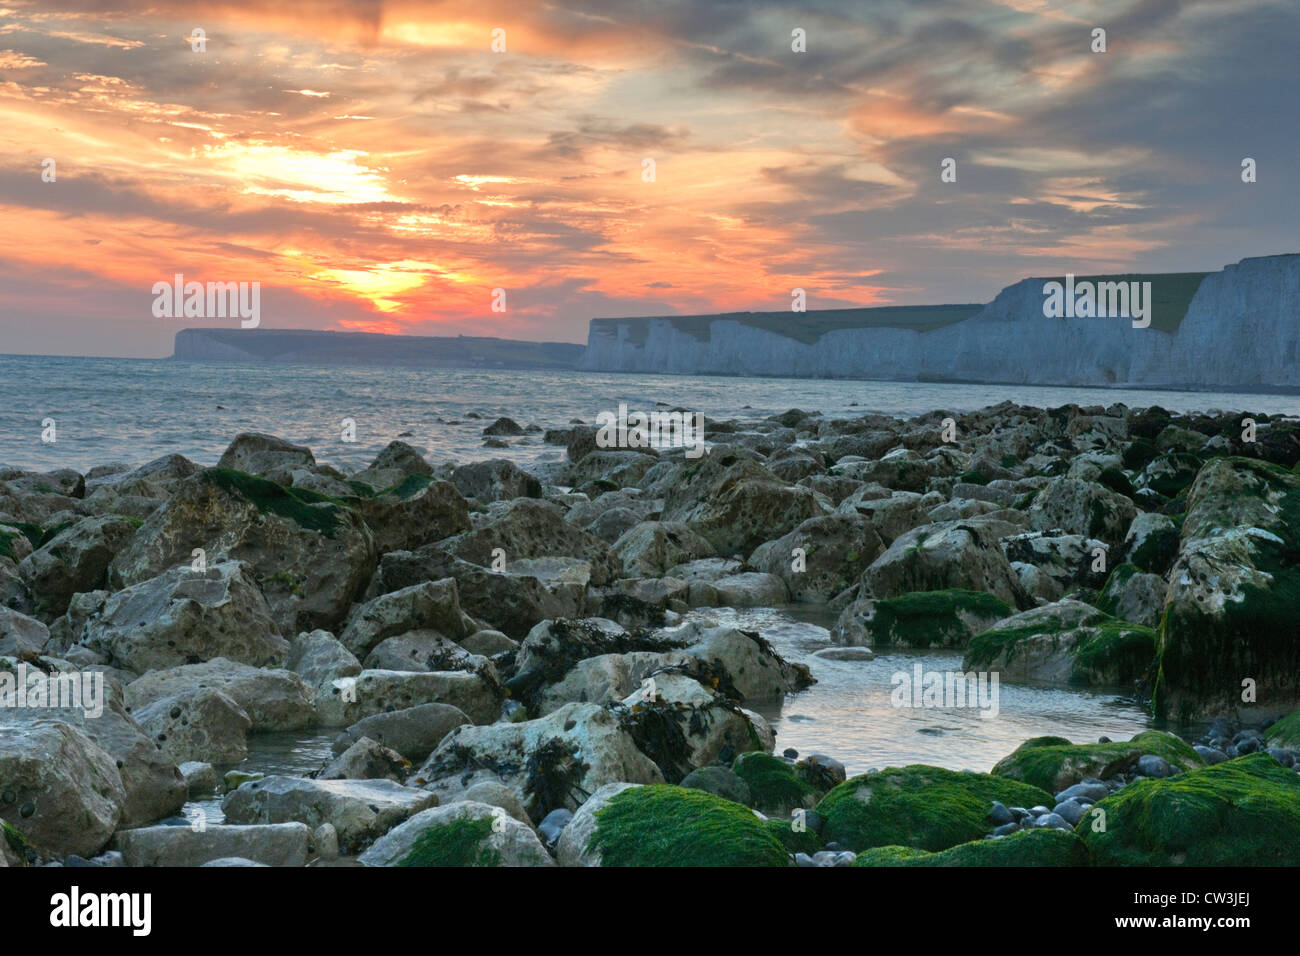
{"points": [[378, 167]]}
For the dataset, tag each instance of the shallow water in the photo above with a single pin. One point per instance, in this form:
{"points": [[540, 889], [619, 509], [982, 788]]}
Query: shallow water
{"points": [[295, 753], [848, 714], [134, 410]]}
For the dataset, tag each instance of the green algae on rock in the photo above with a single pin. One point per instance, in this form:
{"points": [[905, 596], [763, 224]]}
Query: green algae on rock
{"points": [[947, 618], [663, 825], [1067, 640], [1230, 614], [1054, 763], [456, 843], [1245, 812], [775, 786], [1039, 847], [925, 807]]}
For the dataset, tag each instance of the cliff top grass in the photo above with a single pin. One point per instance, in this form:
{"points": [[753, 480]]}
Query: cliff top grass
{"points": [[920, 806], [1171, 292], [1042, 847], [456, 843], [309, 509], [805, 327], [1053, 763], [1244, 812], [663, 825]]}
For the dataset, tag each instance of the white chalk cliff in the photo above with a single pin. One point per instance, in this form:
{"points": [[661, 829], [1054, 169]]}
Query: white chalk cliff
{"points": [[1240, 331]]}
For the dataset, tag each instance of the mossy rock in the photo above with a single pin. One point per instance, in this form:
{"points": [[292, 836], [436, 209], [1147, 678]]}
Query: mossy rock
{"points": [[1157, 551], [1054, 763], [1043, 847], [1119, 576], [1285, 733], [409, 486], [1171, 475], [6, 539], [1115, 479], [663, 825], [308, 509], [1139, 454], [775, 787], [1118, 653], [1231, 609], [458, 843], [806, 841], [945, 618], [925, 807], [1245, 812], [1102, 649]]}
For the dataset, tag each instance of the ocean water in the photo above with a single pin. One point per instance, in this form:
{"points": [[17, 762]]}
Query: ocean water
{"points": [[134, 410], [110, 410]]}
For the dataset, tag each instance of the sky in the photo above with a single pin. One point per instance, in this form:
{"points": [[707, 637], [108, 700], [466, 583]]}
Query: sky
{"points": [[381, 167]]}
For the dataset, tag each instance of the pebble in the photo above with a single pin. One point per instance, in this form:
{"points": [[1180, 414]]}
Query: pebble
{"points": [[553, 825], [1000, 815], [1090, 790], [1071, 811], [1053, 821], [1151, 765]]}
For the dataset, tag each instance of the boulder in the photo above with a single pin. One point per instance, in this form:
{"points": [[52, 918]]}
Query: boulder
{"points": [[75, 559], [928, 808], [1055, 764], [650, 548], [284, 844], [497, 479], [939, 557], [553, 761], [61, 791], [948, 618], [433, 604], [266, 456], [273, 699], [351, 699], [359, 810], [198, 725], [465, 833], [1229, 614], [183, 616], [414, 732], [821, 557], [1064, 641], [1244, 812], [311, 557], [414, 513], [666, 826], [1082, 507]]}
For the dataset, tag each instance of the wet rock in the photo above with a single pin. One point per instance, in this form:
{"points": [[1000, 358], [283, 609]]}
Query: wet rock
{"points": [[359, 810], [465, 833], [284, 844]]}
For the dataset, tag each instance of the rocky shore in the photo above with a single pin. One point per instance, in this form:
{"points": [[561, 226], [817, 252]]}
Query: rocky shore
{"points": [[506, 659]]}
